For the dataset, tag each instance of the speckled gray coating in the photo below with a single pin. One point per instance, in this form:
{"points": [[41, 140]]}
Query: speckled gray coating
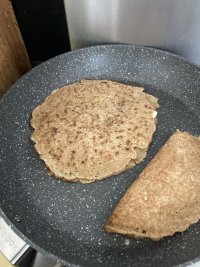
{"points": [[65, 220]]}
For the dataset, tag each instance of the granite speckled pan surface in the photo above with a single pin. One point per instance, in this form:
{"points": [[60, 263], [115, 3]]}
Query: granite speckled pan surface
{"points": [[65, 220]]}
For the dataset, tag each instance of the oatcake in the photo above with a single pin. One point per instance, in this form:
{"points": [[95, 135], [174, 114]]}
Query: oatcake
{"points": [[93, 129], [166, 196]]}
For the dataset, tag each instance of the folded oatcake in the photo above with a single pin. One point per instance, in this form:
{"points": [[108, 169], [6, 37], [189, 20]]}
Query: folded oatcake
{"points": [[166, 196], [93, 129]]}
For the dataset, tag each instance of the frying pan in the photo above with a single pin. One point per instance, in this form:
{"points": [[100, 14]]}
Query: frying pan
{"points": [[66, 220]]}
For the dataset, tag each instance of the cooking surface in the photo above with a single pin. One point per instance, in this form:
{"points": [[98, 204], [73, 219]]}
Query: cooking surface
{"points": [[67, 219]]}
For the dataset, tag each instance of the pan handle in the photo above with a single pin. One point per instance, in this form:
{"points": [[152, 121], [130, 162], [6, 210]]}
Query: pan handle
{"points": [[12, 247]]}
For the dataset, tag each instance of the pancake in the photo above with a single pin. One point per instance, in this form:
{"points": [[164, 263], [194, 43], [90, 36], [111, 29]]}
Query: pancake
{"points": [[93, 129], [165, 198]]}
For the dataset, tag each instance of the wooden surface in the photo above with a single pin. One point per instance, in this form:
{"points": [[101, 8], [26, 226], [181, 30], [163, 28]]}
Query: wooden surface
{"points": [[4, 262], [14, 60]]}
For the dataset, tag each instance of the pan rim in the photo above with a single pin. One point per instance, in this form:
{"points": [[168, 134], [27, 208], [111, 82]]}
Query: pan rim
{"points": [[100, 46]]}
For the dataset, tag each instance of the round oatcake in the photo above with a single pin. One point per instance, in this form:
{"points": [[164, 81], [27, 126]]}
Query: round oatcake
{"points": [[93, 129]]}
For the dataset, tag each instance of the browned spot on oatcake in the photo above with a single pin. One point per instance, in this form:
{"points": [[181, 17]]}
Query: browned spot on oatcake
{"points": [[109, 156], [109, 121], [148, 106], [63, 119], [103, 142], [54, 130], [121, 103], [73, 153], [55, 156], [128, 142]]}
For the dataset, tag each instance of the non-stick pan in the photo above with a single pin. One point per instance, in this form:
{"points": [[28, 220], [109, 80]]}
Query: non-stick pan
{"points": [[66, 220]]}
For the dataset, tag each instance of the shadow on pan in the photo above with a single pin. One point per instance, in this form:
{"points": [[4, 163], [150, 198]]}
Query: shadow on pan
{"points": [[66, 220]]}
